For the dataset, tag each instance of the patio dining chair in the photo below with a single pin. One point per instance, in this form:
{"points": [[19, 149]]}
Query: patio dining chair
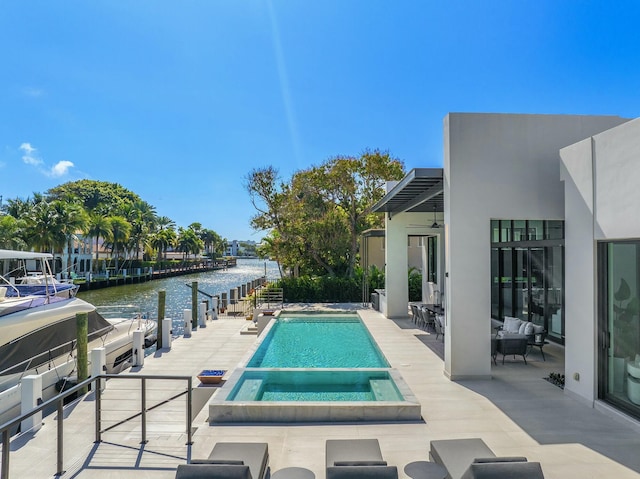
{"points": [[438, 324], [415, 314], [428, 317]]}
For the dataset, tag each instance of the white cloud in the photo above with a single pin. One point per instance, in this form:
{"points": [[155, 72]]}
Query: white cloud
{"points": [[60, 169], [29, 154], [30, 158]]}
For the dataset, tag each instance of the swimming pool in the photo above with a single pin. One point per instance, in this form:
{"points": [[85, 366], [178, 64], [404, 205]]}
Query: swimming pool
{"points": [[311, 367], [328, 342]]}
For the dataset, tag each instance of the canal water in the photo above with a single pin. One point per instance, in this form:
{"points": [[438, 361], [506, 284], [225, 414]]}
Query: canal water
{"points": [[143, 297]]}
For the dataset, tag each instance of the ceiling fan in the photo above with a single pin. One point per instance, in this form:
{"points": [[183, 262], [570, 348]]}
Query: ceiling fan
{"points": [[435, 224]]}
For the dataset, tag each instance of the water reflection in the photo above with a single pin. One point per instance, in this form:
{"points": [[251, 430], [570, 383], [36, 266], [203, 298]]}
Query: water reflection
{"points": [[144, 296]]}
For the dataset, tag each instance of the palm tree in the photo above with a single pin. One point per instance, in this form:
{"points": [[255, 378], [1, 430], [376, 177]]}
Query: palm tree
{"points": [[11, 232], [18, 208], [164, 222], [120, 230], [99, 226], [142, 217], [188, 242], [72, 218], [210, 239], [161, 241], [44, 231]]}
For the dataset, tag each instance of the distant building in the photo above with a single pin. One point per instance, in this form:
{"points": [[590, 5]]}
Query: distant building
{"points": [[232, 248]]}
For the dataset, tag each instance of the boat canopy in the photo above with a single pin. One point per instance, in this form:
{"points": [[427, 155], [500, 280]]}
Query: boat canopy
{"points": [[11, 254]]}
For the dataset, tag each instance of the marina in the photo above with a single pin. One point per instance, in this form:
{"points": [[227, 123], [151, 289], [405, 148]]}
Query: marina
{"points": [[144, 296]]}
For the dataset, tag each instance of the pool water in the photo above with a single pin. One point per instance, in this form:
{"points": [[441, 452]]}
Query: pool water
{"points": [[315, 385], [332, 342], [314, 367]]}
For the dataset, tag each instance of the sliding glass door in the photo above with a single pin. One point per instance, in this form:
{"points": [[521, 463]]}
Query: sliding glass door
{"points": [[527, 273], [619, 324]]}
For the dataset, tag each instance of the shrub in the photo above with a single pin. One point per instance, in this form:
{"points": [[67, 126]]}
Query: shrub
{"points": [[320, 289]]}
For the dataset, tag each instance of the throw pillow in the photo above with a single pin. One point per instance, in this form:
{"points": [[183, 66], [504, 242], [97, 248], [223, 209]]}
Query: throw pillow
{"points": [[528, 330], [511, 325], [523, 326], [537, 329]]}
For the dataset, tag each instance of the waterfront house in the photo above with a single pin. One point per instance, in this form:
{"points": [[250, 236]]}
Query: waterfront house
{"points": [[532, 216]]}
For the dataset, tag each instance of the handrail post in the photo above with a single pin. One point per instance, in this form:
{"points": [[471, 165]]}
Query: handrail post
{"points": [[144, 411], [60, 445], [189, 412], [4, 473], [96, 386]]}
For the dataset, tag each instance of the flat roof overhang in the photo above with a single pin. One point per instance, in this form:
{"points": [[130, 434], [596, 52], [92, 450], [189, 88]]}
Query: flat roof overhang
{"points": [[421, 190]]}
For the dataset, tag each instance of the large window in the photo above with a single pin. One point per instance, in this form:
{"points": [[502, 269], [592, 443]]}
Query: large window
{"points": [[527, 272], [619, 324]]}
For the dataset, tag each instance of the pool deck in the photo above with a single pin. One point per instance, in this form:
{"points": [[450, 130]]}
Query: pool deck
{"points": [[515, 413]]}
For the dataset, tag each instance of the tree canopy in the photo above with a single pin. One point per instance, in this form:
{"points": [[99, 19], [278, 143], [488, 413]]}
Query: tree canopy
{"points": [[316, 218], [126, 224]]}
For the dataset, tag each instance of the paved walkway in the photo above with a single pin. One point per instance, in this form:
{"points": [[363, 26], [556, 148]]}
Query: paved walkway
{"points": [[516, 413]]}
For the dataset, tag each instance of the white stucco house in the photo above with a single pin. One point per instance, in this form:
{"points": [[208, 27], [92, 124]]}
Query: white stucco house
{"points": [[534, 217]]}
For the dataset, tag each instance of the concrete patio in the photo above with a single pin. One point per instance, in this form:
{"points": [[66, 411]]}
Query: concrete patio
{"points": [[515, 413]]}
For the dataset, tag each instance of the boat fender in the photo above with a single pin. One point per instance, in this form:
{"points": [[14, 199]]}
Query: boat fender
{"points": [[65, 383], [150, 340]]}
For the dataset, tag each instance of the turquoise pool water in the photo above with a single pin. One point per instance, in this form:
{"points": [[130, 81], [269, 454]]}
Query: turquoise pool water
{"points": [[328, 342], [318, 385], [315, 367]]}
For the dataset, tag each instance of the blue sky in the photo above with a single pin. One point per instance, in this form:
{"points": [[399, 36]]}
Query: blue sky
{"points": [[179, 100]]}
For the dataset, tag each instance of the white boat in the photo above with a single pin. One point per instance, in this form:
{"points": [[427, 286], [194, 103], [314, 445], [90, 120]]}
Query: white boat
{"points": [[22, 280], [38, 336]]}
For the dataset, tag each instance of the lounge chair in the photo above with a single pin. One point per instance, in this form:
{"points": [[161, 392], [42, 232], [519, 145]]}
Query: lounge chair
{"points": [[357, 459], [515, 344], [230, 460], [472, 459]]}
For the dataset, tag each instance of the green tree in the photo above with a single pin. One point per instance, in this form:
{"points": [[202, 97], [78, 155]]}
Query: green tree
{"points": [[188, 242], [162, 240], [318, 216], [142, 218], [98, 226], [72, 219], [100, 196], [11, 231], [44, 230], [120, 230]]}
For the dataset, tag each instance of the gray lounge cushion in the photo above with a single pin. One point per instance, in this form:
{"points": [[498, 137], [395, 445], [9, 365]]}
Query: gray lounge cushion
{"points": [[362, 472], [360, 463], [456, 454], [212, 471], [253, 454], [479, 460], [338, 450], [218, 461], [504, 470]]}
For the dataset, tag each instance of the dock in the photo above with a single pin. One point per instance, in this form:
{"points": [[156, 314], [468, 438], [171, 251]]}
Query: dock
{"points": [[516, 413]]}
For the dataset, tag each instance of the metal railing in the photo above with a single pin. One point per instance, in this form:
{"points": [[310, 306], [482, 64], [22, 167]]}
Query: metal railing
{"points": [[270, 298], [58, 402]]}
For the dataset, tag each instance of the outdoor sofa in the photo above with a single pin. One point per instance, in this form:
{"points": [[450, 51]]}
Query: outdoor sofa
{"points": [[472, 459], [357, 459], [230, 460]]}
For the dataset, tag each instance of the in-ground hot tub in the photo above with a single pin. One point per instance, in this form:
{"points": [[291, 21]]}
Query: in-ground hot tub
{"points": [[292, 395]]}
